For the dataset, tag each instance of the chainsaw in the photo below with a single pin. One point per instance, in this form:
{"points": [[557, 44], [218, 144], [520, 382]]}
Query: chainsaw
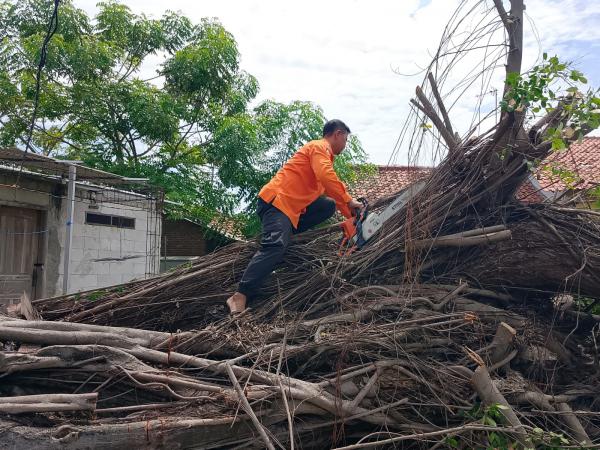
{"points": [[363, 225]]}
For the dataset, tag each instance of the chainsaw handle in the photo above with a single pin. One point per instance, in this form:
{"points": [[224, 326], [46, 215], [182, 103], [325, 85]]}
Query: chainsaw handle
{"points": [[356, 212]]}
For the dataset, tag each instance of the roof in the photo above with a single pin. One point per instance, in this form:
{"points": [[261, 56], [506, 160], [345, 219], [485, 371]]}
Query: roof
{"points": [[227, 227], [581, 159], [530, 191], [80, 184], [388, 180], [12, 156]]}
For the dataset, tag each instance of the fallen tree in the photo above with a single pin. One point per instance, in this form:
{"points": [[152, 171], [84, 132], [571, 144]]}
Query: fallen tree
{"points": [[443, 331]]}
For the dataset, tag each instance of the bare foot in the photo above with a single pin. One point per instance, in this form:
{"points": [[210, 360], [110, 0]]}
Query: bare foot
{"points": [[236, 303]]}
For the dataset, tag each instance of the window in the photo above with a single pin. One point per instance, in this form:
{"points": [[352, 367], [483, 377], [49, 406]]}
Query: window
{"points": [[109, 221]]}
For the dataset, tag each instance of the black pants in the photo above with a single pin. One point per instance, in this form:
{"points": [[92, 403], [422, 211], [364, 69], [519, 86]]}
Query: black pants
{"points": [[277, 231]]}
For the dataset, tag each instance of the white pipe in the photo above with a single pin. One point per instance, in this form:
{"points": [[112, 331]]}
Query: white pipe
{"points": [[69, 230]]}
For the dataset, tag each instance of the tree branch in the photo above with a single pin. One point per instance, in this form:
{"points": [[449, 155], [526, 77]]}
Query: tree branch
{"points": [[427, 108], [547, 119], [514, 28], [503, 15], [440, 103], [244, 401]]}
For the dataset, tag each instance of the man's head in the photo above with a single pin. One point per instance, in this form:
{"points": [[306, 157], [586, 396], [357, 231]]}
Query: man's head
{"points": [[336, 133]]}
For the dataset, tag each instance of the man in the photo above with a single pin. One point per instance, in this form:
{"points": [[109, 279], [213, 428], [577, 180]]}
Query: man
{"points": [[293, 202]]}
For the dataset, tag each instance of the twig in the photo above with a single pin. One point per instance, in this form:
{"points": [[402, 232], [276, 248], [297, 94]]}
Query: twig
{"points": [[248, 408], [422, 436]]}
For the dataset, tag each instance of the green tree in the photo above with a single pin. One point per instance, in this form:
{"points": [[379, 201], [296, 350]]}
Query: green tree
{"points": [[188, 127]]}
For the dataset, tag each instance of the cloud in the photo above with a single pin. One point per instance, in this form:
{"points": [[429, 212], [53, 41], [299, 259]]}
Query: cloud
{"points": [[342, 55]]}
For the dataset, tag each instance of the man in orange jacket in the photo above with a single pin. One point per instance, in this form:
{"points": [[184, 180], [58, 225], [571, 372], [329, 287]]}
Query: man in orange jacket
{"points": [[304, 193]]}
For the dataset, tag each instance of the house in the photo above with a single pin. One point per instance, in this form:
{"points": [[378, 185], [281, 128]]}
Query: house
{"points": [[579, 165], [184, 240], [66, 228], [569, 175]]}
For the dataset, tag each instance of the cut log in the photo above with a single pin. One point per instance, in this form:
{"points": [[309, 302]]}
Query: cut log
{"points": [[490, 395], [502, 342], [574, 425]]}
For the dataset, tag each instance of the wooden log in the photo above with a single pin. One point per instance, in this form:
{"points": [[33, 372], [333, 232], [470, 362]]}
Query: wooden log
{"points": [[48, 403], [502, 342], [462, 241], [573, 424], [490, 395], [159, 433], [19, 362]]}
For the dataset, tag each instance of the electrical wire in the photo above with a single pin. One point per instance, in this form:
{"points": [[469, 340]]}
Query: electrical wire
{"points": [[52, 27]]}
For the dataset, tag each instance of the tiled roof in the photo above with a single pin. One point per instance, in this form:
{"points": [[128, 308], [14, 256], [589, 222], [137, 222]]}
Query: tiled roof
{"points": [[228, 227], [387, 180], [528, 192], [582, 159]]}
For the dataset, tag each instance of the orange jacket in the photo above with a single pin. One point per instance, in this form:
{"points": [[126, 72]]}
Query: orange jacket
{"points": [[302, 179]]}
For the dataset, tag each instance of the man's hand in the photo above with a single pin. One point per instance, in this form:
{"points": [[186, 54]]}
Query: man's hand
{"points": [[354, 204]]}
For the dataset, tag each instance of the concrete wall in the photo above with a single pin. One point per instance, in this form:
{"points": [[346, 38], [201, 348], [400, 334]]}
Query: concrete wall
{"points": [[101, 256]]}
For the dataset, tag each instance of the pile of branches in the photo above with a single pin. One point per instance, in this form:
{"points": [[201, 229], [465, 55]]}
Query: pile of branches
{"points": [[387, 364], [445, 330]]}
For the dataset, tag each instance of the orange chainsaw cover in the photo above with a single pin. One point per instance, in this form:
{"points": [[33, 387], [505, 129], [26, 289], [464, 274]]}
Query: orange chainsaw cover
{"points": [[303, 178]]}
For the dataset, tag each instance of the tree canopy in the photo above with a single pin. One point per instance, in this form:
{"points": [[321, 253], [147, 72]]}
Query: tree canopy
{"points": [[191, 125]]}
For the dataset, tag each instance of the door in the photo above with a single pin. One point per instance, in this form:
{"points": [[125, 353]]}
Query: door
{"points": [[20, 239]]}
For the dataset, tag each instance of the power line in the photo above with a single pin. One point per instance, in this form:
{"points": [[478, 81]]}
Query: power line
{"points": [[52, 27], [5, 231]]}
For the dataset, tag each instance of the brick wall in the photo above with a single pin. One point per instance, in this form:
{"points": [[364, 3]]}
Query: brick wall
{"points": [[182, 238], [186, 238]]}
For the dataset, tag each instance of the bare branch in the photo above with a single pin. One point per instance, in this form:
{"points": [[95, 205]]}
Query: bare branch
{"points": [[427, 108], [440, 103], [503, 15]]}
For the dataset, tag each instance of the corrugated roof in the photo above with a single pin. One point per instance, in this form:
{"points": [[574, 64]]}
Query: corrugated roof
{"points": [[15, 157]]}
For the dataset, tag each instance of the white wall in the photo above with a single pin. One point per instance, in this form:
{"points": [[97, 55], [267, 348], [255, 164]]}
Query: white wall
{"points": [[102, 255]]}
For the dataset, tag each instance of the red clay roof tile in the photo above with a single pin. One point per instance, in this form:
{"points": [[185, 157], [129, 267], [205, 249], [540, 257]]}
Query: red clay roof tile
{"points": [[582, 159]]}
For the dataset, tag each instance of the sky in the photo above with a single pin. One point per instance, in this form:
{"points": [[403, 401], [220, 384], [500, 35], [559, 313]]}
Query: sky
{"points": [[353, 57]]}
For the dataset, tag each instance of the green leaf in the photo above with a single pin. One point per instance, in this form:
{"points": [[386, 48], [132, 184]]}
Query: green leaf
{"points": [[558, 144], [489, 421], [452, 441], [513, 78]]}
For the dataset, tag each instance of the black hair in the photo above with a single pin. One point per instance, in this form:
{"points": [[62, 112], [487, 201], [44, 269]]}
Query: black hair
{"points": [[333, 125]]}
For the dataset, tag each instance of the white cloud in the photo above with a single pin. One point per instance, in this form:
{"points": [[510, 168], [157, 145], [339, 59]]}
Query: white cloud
{"points": [[342, 54]]}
